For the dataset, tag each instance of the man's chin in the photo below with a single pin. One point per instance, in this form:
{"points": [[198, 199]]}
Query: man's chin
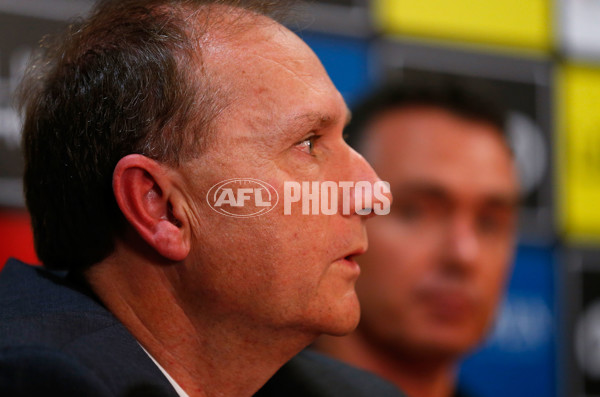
{"points": [[346, 318]]}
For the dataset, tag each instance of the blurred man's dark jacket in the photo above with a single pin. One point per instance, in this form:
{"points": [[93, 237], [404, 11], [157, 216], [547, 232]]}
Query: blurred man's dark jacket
{"points": [[313, 374]]}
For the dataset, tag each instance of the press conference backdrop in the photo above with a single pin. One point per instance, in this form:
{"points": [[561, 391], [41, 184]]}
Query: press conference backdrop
{"points": [[540, 57]]}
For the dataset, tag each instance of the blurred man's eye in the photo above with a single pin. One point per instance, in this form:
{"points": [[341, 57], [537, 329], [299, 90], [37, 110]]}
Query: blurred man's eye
{"points": [[420, 209], [409, 212], [494, 223], [487, 224]]}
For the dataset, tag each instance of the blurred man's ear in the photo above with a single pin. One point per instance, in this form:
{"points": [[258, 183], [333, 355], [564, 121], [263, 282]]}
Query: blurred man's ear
{"points": [[145, 194]]}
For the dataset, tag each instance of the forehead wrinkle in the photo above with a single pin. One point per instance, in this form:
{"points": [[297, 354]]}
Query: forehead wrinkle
{"points": [[302, 65], [290, 70]]}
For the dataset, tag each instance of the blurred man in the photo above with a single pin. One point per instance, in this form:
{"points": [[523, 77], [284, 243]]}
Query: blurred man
{"points": [[437, 265], [130, 119]]}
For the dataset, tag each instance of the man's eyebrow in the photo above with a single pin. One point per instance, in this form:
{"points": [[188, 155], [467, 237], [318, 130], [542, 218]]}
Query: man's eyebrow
{"points": [[421, 188], [434, 191], [504, 201], [315, 119], [321, 120], [299, 125]]}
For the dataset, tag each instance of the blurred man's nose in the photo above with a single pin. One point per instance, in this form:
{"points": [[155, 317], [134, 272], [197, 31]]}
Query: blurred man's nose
{"points": [[462, 245], [370, 195]]}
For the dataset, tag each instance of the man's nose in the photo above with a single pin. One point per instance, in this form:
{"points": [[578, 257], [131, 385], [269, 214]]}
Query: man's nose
{"points": [[462, 246], [370, 196]]}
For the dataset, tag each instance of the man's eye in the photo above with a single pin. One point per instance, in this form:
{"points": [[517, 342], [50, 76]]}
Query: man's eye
{"points": [[409, 212], [490, 224], [307, 144]]}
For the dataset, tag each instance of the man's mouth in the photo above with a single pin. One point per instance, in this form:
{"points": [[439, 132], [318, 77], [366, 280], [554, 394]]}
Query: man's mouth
{"points": [[353, 254], [350, 258], [450, 303]]}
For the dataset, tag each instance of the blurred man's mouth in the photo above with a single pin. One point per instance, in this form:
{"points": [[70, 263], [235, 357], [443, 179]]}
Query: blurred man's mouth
{"points": [[449, 303]]}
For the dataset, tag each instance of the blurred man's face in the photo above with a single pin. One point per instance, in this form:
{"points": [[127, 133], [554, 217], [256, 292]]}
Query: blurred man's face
{"points": [[284, 123], [437, 265]]}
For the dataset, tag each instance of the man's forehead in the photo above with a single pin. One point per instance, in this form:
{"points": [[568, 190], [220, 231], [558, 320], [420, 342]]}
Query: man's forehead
{"points": [[467, 178], [248, 32], [475, 165], [275, 82], [267, 48], [418, 138]]}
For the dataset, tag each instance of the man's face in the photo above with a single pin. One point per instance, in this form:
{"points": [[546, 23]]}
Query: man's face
{"points": [[284, 123], [437, 265]]}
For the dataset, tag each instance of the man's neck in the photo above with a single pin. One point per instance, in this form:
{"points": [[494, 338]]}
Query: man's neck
{"points": [[206, 356], [422, 378]]}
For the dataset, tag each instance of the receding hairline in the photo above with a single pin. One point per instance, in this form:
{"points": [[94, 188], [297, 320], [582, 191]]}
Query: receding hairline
{"points": [[213, 27]]}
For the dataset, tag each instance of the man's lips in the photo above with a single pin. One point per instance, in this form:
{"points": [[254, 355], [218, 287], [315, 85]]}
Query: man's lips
{"points": [[349, 258], [448, 303], [354, 253]]}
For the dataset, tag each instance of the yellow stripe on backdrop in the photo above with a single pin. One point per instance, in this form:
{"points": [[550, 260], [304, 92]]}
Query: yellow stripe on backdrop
{"points": [[578, 146], [513, 23]]}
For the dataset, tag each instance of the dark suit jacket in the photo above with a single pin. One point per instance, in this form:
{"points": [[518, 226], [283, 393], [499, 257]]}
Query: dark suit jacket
{"points": [[57, 339]]}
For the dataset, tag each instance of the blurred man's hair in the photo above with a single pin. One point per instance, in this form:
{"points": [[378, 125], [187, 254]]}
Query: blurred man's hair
{"points": [[128, 79], [447, 96]]}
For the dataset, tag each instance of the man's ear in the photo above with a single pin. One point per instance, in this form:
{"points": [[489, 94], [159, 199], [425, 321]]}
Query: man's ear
{"points": [[145, 192]]}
